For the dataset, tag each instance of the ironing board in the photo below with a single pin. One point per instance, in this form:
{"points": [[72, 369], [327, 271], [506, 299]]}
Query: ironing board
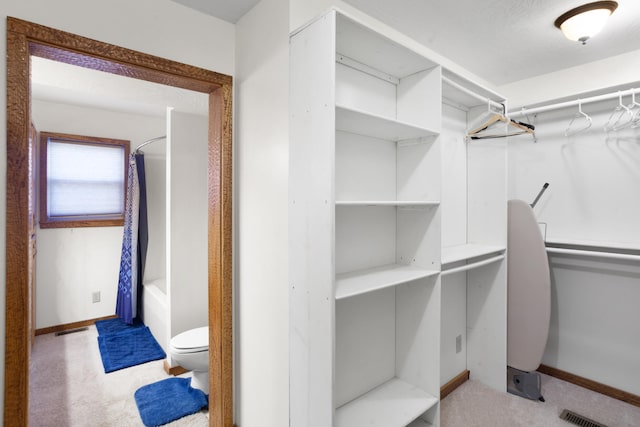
{"points": [[528, 294]]}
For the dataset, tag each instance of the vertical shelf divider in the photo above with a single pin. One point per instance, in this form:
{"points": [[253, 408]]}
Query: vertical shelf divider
{"points": [[364, 206]]}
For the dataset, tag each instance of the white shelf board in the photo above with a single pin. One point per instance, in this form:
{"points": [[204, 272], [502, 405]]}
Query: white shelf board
{"points": [[372, 279], [369, 47], [392, 404], [464, 252], [399, 203], [375, 126], [465, 99]]}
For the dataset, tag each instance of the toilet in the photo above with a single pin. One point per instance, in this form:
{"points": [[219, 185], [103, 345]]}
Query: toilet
{"points": [[190, 349]]}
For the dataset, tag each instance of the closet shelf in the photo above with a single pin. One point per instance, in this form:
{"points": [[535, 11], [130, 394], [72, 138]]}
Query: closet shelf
{"points": [[466, 93], [392, 404], [459, 253], [375, 126], [376, 50], [372, 279], [398, 203]]}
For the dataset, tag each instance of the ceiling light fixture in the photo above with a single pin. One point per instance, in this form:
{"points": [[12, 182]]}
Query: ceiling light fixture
{"points": [[584, 22]]}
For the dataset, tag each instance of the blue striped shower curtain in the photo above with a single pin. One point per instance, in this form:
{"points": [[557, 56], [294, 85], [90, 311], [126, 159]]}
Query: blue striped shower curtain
{"points": [[134, 243]]}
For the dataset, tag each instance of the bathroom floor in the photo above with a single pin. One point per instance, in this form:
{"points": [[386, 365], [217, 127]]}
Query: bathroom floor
{"points": [[68, 386]]}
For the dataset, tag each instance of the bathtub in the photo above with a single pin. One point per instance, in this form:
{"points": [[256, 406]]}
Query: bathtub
{"points": [[155, 311]]}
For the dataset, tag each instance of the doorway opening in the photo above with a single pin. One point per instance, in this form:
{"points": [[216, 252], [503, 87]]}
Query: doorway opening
{"points": [[25, 39]]}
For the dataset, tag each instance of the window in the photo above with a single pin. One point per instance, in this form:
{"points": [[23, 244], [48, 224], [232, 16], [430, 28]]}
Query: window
{"points": [[82, 180]]}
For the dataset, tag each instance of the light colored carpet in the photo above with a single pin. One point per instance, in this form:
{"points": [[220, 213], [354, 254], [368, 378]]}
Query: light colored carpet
{"points": [[475, 405], [68, 386]]}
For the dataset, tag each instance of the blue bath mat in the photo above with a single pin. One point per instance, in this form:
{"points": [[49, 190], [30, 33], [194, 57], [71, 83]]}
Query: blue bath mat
{"points": [[168, 400], [128, 348], [116, 325]]}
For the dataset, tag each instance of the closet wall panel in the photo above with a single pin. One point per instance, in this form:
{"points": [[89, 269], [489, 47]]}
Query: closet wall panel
{"points": [[594, 331], [593, 175], [592, 199], [311, 217]]}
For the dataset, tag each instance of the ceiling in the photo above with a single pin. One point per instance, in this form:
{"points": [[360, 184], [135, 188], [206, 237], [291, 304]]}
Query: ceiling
{"points": [[500, 41], [504, 41], [59, 82], [227, 10]]}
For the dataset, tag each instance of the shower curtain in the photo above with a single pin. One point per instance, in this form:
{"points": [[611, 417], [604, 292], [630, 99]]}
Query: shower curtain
{"points": [[134, 243]]}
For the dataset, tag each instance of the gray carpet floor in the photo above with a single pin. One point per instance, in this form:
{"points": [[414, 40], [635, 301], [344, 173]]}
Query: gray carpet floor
{"points": [[68, 386], [475, 405]]}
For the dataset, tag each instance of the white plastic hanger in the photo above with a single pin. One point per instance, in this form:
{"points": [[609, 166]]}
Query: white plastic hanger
{"points": [[620, 117], [580, 115], [635, 122]]}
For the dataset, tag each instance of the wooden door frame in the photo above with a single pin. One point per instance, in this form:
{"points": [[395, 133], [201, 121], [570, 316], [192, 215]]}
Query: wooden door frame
{"points": [[25, 39]]}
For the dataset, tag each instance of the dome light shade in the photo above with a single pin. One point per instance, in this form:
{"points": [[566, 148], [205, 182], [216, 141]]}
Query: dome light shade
{"points": [[584, 22]]}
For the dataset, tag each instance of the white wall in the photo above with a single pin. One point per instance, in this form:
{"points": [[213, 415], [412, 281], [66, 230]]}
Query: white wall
{"points": [[593, 176], [161, 28], [571, 82], [187, 238], [155, 168], [594, 330], [454, 176], [592, 198], [71, 263], [261, 201], [453, 204]]}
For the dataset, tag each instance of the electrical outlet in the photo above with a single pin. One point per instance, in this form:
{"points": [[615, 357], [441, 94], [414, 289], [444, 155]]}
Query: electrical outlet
{"points": [[458, 343], [95, 296]]}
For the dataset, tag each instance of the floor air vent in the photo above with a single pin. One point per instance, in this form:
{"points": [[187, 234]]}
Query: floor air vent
{"points": [[579, 420], [72, 331]]}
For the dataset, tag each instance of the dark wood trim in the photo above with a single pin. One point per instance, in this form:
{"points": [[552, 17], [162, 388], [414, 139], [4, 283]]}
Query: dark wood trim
{"points": [[615, 393], [69, 326], [176, 370], [17, 331], [66, 47], [220, 262], [81, 222], [455, 382], [25, 39]]}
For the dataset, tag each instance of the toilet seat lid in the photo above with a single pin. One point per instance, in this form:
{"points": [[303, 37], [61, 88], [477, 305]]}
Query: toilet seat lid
{"points": [[192, 340]]}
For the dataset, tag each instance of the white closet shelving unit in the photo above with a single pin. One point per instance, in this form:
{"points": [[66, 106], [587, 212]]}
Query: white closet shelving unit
{"points": [[365, 229], [474, 245]]}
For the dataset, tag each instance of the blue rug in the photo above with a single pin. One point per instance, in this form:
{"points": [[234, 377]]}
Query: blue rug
{"points": [[116, 325], [168, 400], [128, 348]]}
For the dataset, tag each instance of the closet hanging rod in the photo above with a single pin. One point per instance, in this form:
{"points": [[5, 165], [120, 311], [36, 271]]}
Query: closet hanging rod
{"points": [[573, 103], [149, 141], [470, 92], [472, 265], [596, 254]]}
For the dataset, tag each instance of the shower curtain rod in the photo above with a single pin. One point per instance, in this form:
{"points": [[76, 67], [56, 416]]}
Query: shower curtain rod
{"points": [[149, 141], [573, 103]]}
